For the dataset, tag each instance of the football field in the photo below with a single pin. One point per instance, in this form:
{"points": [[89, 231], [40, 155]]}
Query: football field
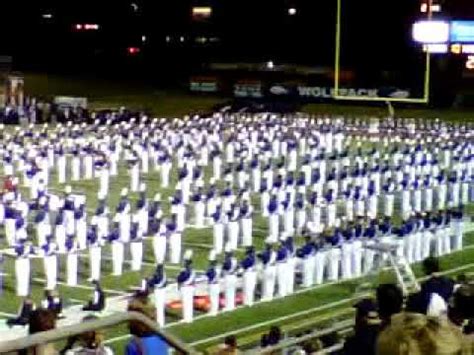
{"points": [[306, 305]]}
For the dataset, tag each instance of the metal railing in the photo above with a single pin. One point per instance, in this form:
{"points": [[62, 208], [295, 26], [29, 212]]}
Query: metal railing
{"points": [[340, 327], [57, 334]]}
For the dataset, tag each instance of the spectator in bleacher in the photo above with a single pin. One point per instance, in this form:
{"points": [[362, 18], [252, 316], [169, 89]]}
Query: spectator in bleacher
{"points": [[274, 336], [52, 302], [145, 341], [41, 320], [417, 334], [97, 303], [229, 347], [389, 302], [366, 330], [91, 343], [436, 283], [461, 311], [27, 308]]}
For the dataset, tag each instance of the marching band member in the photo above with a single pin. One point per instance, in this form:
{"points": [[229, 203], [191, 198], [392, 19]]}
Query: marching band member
{"points": [[282, 256], [43, 228], [347, 252], [75, 165], [229, 274], [246, 211], [117, 249], [199, 208], [214, 287], [123, 216], [61, 165], [102, 217], [50, 263], [72, 257], [273, 219], [141, 212], [134, 171], [158, 231], [186, 279], [95, 252], [233, 227], [81, 225], [159, 283], [218, 230], [69, 209], [174, 237], [23, 250], [248, 265], [369, 254], [457, 228], [101, 166], [306, 254], [334, 254], [268, 259], [136, 246]]}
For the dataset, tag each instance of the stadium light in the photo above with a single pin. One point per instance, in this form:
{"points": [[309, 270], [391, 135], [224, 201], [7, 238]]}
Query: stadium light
{"points": [[47, 16], [292, 11], [143, 39], [428, 32], [133, 50], [270, 65]]}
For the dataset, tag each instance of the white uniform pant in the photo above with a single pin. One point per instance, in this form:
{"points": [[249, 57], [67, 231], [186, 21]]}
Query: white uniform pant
{"points": [[233, 227], [214, 294], [175, 248], [457, 231], [160, 305], [282, 279], [218, 233], [319, 266], [187, 299], [357, 258], [159, 248], [308, 271], [117, 258], [76, 169], [199, 209], [136, 250], [247, 232], [250, 282], [230, 282], [274, 227], [72, 263], [95, 255], [346, 260], [269, 275], [51, 271], [22, 274], [334, 256]]}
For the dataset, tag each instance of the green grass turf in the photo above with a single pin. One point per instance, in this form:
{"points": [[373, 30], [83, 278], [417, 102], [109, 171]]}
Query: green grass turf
{"points": [[104, 94]]}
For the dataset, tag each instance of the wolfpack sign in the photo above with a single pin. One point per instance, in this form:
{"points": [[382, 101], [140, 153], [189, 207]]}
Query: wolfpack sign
{"points": [[322, 92]]}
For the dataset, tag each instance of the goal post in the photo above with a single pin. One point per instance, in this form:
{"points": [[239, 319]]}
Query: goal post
{"points": [[337, 69]]}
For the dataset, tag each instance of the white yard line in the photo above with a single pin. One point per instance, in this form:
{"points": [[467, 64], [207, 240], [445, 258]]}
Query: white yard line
{"points": [[8, 314], [82, 287]]}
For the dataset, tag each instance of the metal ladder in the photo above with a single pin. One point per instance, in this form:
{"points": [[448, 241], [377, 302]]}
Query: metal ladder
{"points": [[400, 265]]}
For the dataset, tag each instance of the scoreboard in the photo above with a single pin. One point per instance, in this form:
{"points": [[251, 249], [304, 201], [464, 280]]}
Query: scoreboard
{"points": [[443, 32]]}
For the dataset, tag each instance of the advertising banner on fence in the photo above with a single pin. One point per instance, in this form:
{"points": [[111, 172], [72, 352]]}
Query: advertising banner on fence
{"points": [[249, 89], [203, 84]]}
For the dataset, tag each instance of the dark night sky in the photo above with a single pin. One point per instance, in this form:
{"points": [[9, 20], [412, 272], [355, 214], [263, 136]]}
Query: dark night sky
{"points": [[375, 33]]}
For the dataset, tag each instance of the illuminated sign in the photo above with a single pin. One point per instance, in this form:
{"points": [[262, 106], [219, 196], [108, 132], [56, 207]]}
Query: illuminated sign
{"points": [[201, 12], [431, 32], [436, 48], [462, 31], [470, 62], [468, 48]]}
